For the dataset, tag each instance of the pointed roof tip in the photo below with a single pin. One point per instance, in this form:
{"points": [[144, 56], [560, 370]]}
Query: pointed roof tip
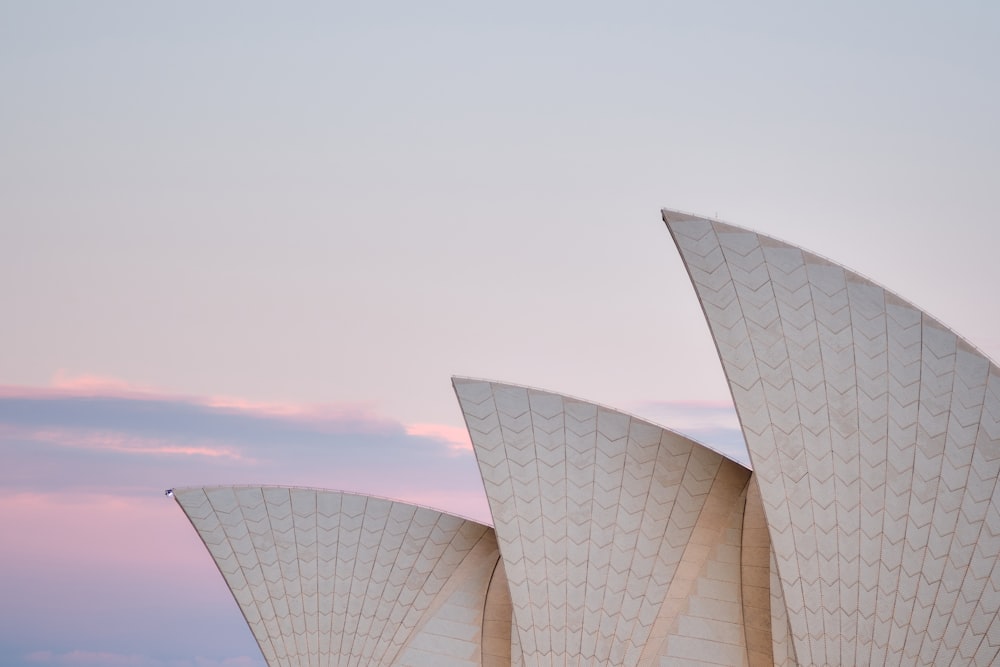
{"points": [[467, 379], [671, 216]]}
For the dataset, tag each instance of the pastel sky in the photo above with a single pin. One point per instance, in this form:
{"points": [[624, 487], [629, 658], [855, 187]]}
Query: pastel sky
{"points": [[251, 242]]}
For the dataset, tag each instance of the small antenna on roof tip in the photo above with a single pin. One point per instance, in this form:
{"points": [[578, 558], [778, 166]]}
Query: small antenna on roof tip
{"points": [[169, 493]]}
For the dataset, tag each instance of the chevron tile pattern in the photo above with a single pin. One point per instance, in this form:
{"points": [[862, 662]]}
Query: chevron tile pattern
{"points": [[327, 579], [875, 437], [594, 512], [868, 534]]}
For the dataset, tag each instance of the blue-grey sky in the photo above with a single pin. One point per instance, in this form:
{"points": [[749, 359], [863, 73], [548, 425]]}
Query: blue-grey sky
{"points": [[251, 242]]}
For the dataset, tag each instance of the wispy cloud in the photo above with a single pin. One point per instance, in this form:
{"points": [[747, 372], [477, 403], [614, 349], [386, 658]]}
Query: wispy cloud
{"points": [[456, 436], [96, 434], [64, 384], [116, 441], [96, 384], [336, 417]]}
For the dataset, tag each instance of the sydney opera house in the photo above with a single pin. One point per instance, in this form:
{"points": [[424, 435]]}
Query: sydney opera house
{"points": [[867, 532]]}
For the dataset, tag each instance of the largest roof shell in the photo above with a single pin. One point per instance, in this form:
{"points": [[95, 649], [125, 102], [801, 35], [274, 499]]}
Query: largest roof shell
{"points": [[874, 432]]}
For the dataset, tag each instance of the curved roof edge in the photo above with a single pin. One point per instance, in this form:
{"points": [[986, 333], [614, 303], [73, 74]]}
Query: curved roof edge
{"points": [[328, 577], [348, 492], [602, 406], [671, 216], [874, 430], [595, 512]]}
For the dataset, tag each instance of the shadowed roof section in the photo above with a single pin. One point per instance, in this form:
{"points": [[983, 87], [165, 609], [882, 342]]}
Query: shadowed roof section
{"points": [[620, 540], [331, 578], [874, 432]]}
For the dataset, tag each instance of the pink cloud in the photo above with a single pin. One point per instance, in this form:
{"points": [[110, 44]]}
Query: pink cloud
{"points": [[116, 441], [456, 436], [358, 416], [64, 385], [95, 384], [317, 414]]}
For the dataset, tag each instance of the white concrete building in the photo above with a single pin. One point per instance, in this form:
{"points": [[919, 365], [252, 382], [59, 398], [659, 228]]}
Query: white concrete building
{"points": [[621, 540], [329, 578], [868, 533], [874, 432]]}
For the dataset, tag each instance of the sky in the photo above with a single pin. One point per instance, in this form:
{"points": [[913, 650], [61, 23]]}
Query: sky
{"points": [[250, 243]]}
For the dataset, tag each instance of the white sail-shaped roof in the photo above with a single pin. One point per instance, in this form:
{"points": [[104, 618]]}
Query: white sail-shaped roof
{"points": [[327, 578], [620, 540], [874, 433]]}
